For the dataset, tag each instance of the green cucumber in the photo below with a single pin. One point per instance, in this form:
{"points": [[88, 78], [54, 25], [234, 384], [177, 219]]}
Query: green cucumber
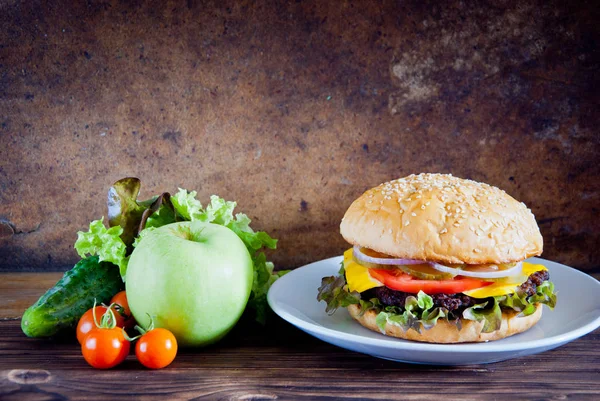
{"points": [[60, 308]]}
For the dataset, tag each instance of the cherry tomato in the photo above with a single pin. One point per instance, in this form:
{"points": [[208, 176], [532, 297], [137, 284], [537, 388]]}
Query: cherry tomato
{"points": [[156, 348], [400, 281], [122, 309], [86, 322], [104, 348]]}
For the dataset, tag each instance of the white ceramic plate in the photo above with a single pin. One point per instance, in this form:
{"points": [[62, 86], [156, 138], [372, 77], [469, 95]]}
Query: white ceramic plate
{"points": [[294, 298]]}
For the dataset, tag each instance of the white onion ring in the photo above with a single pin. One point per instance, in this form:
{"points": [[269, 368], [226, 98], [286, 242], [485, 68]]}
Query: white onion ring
{"points": [[360, 255], [513, 271]]}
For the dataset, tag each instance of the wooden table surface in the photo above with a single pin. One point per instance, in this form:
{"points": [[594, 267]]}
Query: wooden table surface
{"points": [[274, 362]]}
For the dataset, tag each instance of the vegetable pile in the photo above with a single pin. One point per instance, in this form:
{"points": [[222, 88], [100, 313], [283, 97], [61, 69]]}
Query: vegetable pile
{"points": [[105, 253], [130, 220]]}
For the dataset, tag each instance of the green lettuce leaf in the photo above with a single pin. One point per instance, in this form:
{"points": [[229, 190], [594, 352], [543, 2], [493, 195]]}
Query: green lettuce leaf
{"points": [[423, 302], [544, 295], [253, 240], [263, 279], [430, 318], [219, 211], [524, 304], [159, 214], [186, 204], [490, 312], [417, 312], [334, 292], [106, 243], [125, 210], [381, 320], [491, 316]]}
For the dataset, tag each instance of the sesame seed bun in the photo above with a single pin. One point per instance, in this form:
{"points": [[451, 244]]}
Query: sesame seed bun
{"points": [[445, 219], [447, 333]]}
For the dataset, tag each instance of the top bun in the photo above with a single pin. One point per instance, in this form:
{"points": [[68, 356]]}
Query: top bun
{"points": [[441, 218]]}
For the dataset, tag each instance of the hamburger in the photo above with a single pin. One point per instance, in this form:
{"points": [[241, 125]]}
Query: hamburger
{"points": [[440, 259]]}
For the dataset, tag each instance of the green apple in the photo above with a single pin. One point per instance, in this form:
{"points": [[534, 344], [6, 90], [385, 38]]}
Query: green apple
{"points": [[193, 278]]}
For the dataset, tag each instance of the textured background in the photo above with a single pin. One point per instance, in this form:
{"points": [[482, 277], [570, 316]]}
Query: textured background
{"points": [[294, 109]]}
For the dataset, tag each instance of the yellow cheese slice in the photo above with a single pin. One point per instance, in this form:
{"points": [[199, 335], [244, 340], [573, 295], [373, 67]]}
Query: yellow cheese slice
{"points": [[357, 276], [508, 286], [530, 268]]}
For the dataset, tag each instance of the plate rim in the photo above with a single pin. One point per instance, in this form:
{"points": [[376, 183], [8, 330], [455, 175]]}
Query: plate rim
{"points": [[406, 345]]}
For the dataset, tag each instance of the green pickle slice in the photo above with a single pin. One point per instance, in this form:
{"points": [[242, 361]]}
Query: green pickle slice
{"points": [[425, 272]]}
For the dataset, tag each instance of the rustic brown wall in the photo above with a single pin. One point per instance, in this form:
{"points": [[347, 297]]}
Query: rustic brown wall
{"points": [[293, 108]]}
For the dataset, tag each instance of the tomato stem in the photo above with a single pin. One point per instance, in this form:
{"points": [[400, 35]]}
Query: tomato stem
{"points": [[94, 313], [140, 330], [130, 339], [108, 319], [148, 328]]}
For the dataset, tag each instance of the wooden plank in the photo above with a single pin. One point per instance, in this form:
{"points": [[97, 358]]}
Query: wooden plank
{"points": [[18, 291], [259, 363]]}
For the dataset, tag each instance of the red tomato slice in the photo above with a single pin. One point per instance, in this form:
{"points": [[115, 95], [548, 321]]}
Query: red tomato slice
{"points": [[400, 281]]}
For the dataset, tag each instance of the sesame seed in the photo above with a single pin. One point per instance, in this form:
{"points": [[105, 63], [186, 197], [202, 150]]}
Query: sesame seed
{"points": [[407, 223], [476, 250], [444, 231], [422, 207], [390, 231], [413, 214], [456, 224], [372, 222], [427, 203]]}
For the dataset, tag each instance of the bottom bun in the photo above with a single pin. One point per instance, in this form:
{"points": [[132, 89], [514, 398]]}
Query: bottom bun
{"points": [[446, 333]]}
